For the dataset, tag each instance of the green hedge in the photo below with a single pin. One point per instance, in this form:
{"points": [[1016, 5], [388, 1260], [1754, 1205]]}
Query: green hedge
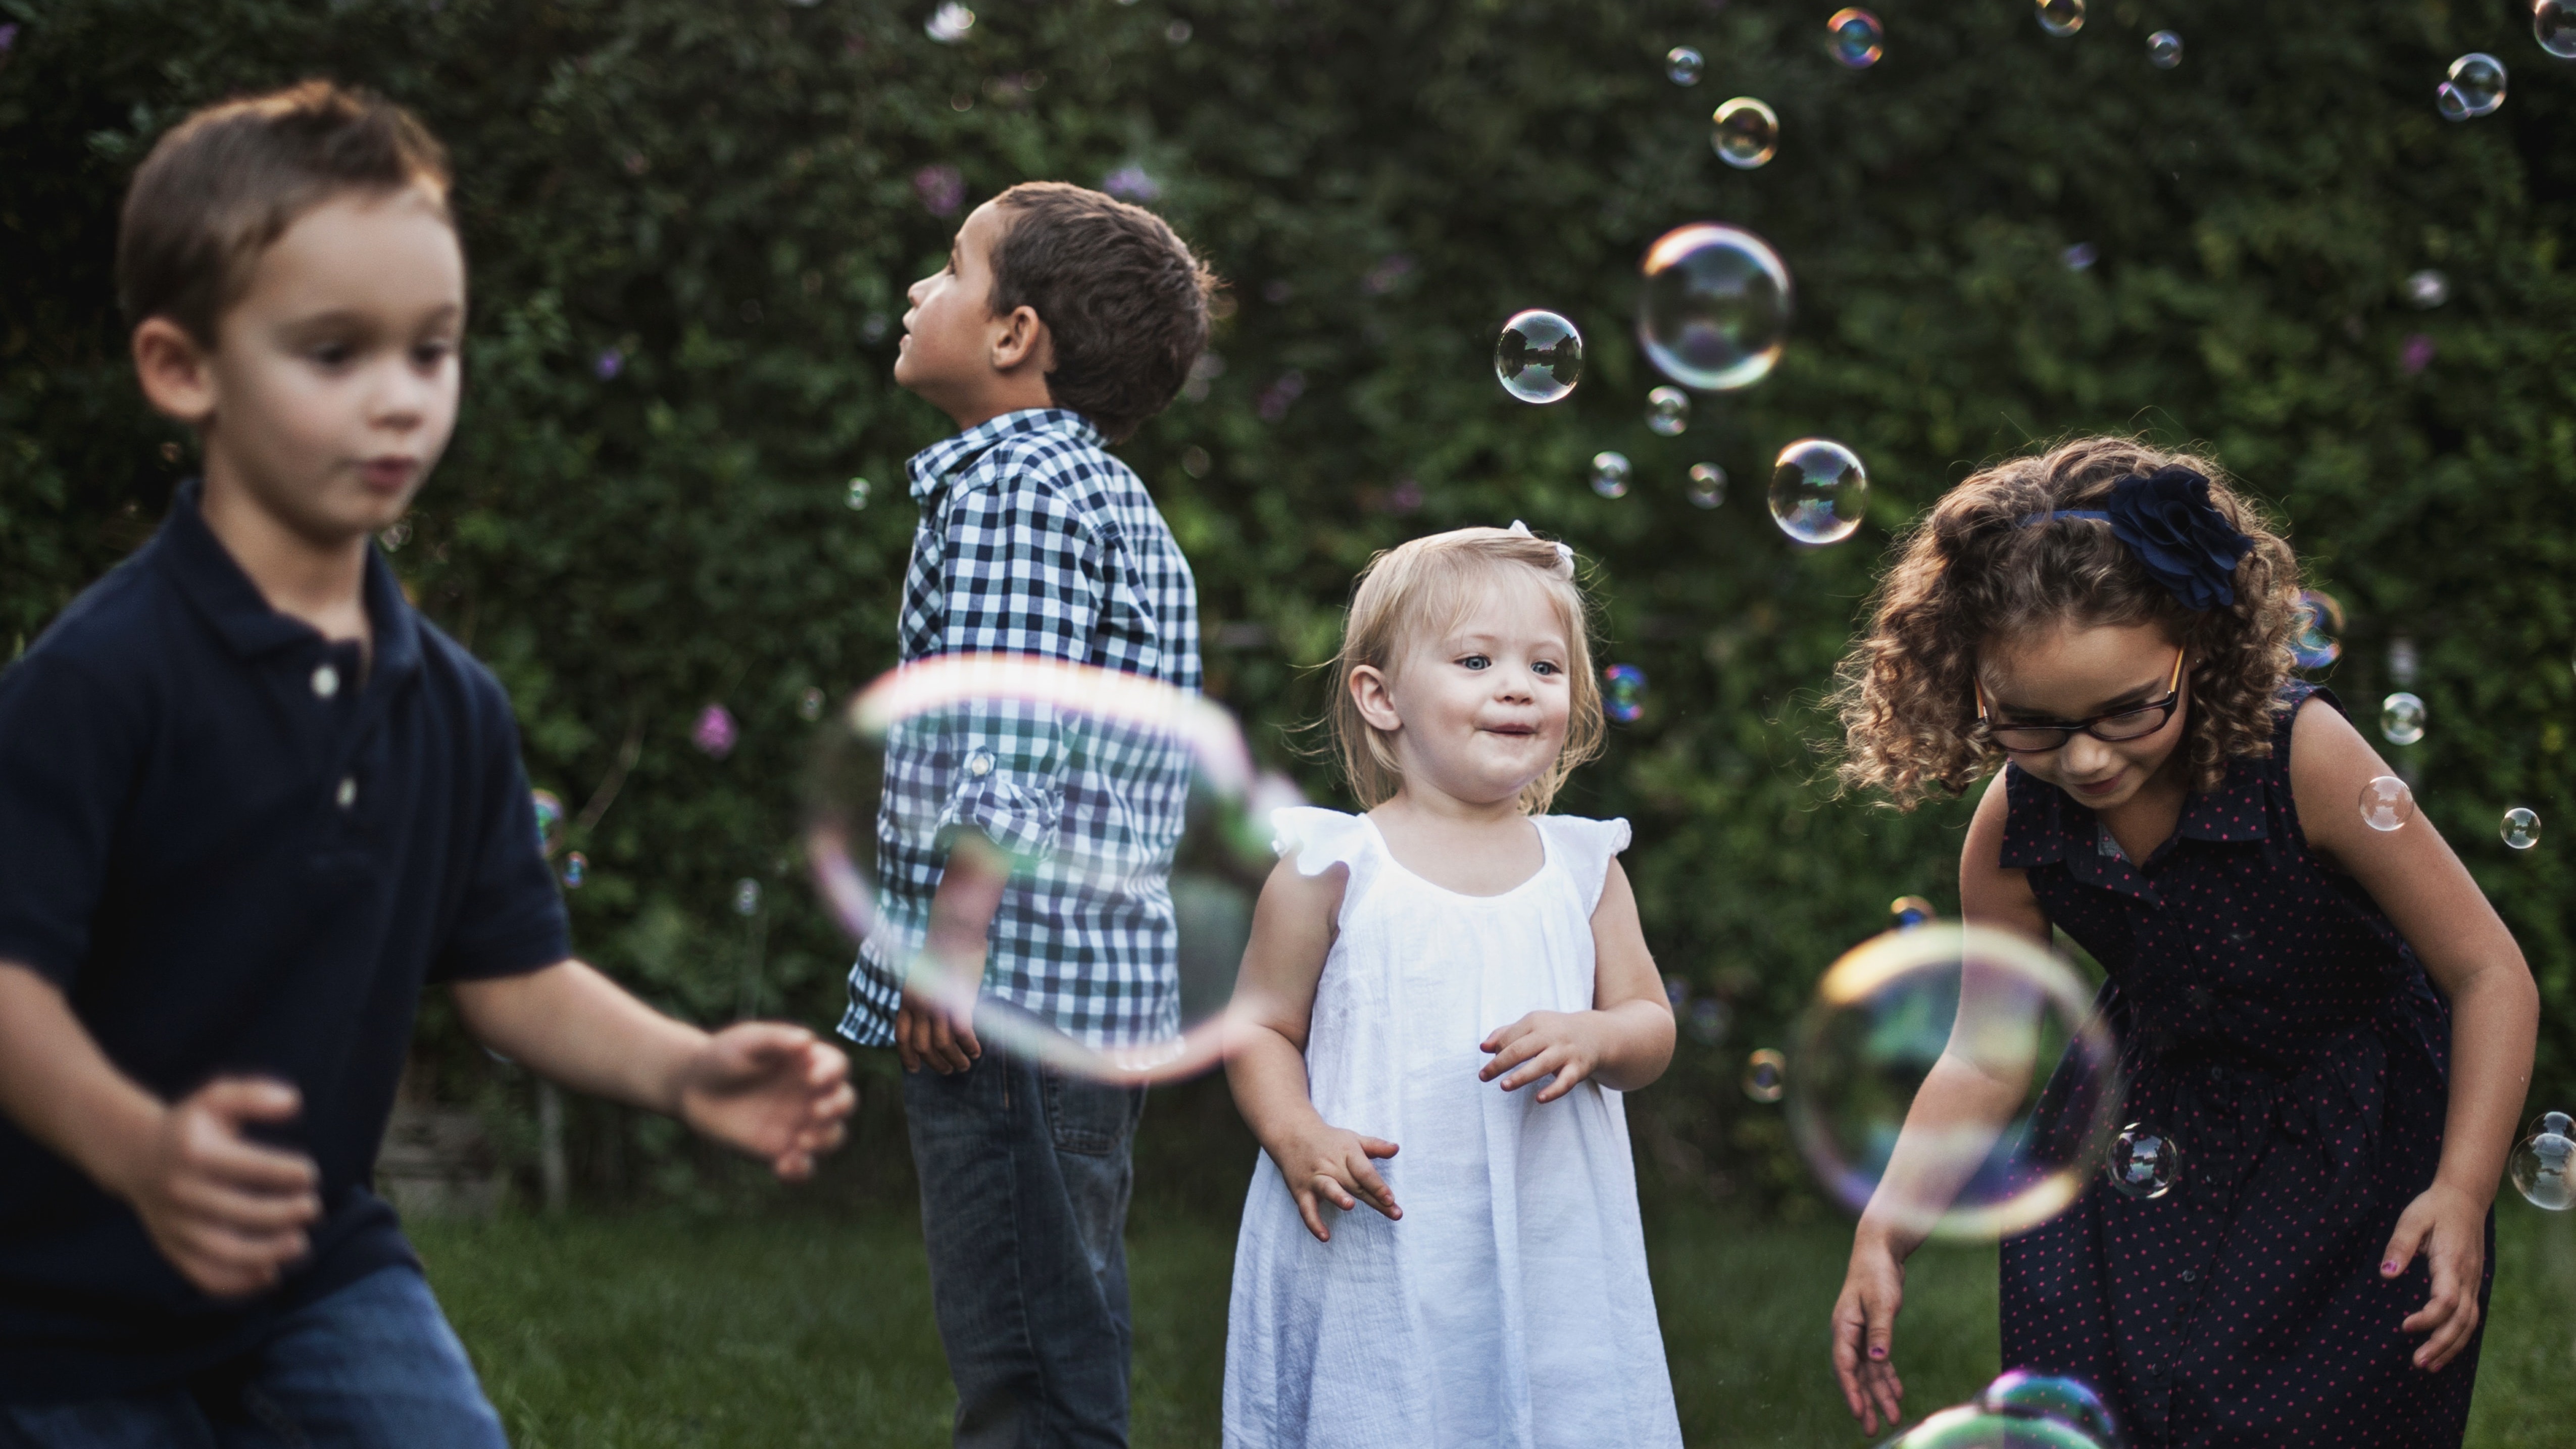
{"points": [[724, 193]]}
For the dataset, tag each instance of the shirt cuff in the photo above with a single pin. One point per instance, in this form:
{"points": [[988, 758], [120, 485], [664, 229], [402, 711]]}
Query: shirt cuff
{"points": [[1018, 813], [875, 997]]}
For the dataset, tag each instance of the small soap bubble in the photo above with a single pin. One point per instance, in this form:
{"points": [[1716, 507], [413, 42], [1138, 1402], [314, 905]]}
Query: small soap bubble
{"points": [[1667, 411], [1858, 38], [949, 23], [2521, 828], [809, 706], [1683, 64], [2060, 17], [2401, 719], [1623, 692], [1714, 308], [2145, 1162], [1707, 485], [2318, 619], [2475, 87], [1610, 474], [857, 496], [2386, 803], [746, 897], [1539, 357], [1910, 911], [1708, 1021], [2068, 1401], [550, 819], [1818, 491], [1746, 134], [2079, 258], [2553, 24], [1766, 1075], [576, 869], [2428, 289], [2164, 50], [2543, 1168]]}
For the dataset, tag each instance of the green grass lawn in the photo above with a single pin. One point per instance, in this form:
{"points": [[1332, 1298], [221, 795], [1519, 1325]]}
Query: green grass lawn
{"points": [[796, 1330]]}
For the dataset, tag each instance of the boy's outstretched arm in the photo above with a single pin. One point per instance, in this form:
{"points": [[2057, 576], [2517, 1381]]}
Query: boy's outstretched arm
{"points": [[765, 1088]]}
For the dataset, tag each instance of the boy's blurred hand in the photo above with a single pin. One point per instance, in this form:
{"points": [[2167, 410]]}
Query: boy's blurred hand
{"points": [[227, 1212], [774, 1091]]}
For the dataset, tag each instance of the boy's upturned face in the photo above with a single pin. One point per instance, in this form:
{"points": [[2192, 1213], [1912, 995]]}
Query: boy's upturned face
{"points": [[949, 332], [332, 384]]}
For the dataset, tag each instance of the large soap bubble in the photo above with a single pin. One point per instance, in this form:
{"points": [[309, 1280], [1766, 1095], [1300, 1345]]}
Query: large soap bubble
{"points": [[1970, 1427], [1970, 1003], [1009, 745], [2069, 1401], [1819, 491], [1713, 309], [1745, 133], [1539, 357]]}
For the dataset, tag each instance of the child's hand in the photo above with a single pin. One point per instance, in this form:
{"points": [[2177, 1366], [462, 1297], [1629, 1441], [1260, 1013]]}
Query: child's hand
{"points": [[1567, 1043], [771, 1090], [1334, 1164], [1865, 1332], [2449, 1227], [228, 1213]]}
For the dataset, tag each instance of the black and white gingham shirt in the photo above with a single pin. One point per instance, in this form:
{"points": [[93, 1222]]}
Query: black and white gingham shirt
{"points": [[1033, 541]]}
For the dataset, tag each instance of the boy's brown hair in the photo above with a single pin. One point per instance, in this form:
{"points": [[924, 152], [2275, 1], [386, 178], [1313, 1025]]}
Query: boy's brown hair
{"points": [[229, 180], [1123, 298]]}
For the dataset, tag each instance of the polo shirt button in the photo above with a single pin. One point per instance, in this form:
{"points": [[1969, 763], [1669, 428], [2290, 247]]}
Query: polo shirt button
{"points": [[348, 794], [326, 682], [980, 763]]}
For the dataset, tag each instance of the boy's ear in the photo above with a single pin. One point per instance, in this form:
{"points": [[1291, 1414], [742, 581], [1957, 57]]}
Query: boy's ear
{"points": [[1021, 339], [176, 374]]}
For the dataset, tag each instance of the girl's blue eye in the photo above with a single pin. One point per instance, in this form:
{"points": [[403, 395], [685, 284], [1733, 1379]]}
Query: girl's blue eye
{"points": [[1476, 661], [1545, 667]]}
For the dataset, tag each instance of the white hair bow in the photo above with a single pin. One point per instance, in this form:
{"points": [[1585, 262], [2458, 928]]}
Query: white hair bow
{"points": [[1564, 552]]}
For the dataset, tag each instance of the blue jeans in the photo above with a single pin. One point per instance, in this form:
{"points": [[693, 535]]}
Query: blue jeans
{"points": [[1025, 1176], [372, 1366]]}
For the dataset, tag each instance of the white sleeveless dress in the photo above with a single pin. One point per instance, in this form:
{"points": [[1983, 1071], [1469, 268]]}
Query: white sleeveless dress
{"points": [[1509, 1309]]}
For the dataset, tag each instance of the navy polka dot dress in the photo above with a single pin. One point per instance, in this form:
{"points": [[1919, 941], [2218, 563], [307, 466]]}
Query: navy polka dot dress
{"points": [[2278, 1028]]}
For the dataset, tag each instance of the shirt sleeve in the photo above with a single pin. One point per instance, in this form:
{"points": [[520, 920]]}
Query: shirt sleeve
{"points": [[512, 919], [70, 750]]}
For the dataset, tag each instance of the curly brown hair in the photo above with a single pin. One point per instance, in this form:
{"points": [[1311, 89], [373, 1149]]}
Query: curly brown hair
{"points": [[1970, 570]]}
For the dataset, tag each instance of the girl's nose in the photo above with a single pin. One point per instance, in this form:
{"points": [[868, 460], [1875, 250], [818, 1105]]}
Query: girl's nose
{"points": [[2086, 757]]}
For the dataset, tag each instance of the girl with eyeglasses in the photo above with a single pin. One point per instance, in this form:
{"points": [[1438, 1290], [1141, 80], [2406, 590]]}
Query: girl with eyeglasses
{"points": [[2327, 1018]]}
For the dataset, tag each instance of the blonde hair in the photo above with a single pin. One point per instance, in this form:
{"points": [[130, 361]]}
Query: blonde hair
{"points": [[1430, 584]]}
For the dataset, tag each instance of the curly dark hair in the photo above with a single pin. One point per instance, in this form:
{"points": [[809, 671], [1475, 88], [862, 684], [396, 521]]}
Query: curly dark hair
{"points": [[1969, 570]]}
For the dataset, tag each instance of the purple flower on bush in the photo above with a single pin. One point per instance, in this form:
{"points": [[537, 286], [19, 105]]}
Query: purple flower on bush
{"points": [[2417, 354], [2166, 519], [715, 732], [941, 188], [608, 363], [1130, 183], [8, 37]]}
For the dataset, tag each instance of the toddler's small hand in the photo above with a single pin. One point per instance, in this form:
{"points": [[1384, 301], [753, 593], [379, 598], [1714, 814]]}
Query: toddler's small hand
{"points": [[1540, 1044], [1335, 1164]]}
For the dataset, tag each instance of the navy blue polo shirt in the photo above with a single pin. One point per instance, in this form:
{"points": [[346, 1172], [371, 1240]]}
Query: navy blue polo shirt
{"points": [[240, 848]]}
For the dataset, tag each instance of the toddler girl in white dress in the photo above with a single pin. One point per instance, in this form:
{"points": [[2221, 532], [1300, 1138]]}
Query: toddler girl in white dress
{"points": [[1461, 975]]}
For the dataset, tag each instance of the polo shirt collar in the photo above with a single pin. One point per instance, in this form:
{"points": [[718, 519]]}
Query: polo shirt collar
{"points": [[932, 467], [212, 580], [2054, 829]]}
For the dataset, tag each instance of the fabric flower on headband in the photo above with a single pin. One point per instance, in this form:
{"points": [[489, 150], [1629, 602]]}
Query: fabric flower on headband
{"points": [[2165, 519], [1564, 552]]}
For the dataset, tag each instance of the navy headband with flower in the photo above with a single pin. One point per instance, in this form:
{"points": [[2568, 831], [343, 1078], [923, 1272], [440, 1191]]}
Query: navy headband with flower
{"points": [[2166, 519]]}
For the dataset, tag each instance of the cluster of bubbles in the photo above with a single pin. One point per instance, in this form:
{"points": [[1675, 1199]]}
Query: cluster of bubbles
{"points": [[1745, 133], [1818, 491], [1668, 412], [2313, 645], [2164, 50], [2475, 87], [2060, 18], [2021, 1410], [1539, 358], [2144, 1161], [1857, 37], [2401, 718], [1623, 692], [1610, 474], [2542, 1165], [1683, 65]]}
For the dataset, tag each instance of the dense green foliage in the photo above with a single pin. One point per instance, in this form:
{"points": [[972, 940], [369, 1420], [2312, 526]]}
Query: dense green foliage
{"points": [[723, 192]]}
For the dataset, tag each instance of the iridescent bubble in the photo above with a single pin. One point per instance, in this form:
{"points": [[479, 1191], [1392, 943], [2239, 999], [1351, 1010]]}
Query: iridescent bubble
{"points": [[550, 819], [1818, 491], [857, 494], [2145, 1162], [746, 897], [2386, 803], [1539, 357], [2543, 1167], [1766, 1075], [949, 23], [2079, 258], [2475, 87], [1980, 1000], [2521, 828], [1610, 474], [1714, 307], [1910, 911], [2558, 1122], [2317, 621], [889, 767], [2428, 289], [2553, 24], [2070, 1401], [1623, 692], [809, 706], [1667, 411], [2401, 719], [1969, 1427], [1683, 64], [576, 869], [2060, 17], [1747, 133], [2164, 50], [1707, 485], [1858, 39]]}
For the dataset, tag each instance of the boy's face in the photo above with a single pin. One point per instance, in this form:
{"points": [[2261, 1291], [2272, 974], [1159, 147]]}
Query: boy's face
{"points": [[953, 345], [331, 386]]}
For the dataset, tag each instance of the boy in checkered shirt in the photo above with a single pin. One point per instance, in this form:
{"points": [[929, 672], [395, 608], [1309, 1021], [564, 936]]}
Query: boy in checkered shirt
{"points": [[1062, 321]]}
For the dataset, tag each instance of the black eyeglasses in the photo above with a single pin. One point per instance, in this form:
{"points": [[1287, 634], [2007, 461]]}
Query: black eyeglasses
{"points": [[2125, 724]]}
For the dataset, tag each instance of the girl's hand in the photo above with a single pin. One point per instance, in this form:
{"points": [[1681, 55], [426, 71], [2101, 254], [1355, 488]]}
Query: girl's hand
{"points": [[1565, 1043], [1865, 1332], [2449, 1226], [1334, 1164]]}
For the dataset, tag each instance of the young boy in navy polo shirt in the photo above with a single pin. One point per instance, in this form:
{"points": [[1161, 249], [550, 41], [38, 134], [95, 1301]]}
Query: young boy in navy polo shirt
{"points": [[250, 802]]}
